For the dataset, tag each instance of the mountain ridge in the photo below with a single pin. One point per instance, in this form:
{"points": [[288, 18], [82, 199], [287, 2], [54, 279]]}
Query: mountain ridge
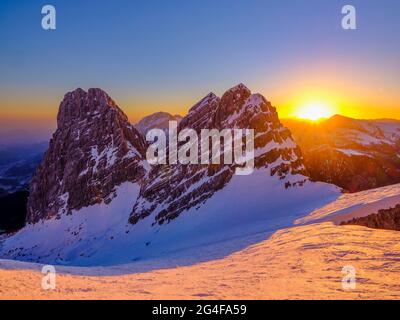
{"points": [[351, 153], [93, 210]]}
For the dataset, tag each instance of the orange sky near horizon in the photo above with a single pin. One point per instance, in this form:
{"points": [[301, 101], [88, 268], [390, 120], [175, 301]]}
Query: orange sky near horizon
{"points": [[301, 59], [354, 92], [37, 111]]}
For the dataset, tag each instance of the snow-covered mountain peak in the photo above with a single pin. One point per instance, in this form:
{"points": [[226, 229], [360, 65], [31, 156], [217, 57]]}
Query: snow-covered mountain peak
{"points": [[239, 89], [79, 105], [200, 116]]}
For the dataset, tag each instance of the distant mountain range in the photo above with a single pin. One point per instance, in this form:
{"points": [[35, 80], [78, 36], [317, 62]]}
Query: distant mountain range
{"points": [[353, 154], [18, 163], [159, 120]]}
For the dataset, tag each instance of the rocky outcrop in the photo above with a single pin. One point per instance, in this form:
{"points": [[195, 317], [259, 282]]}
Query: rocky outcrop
{"points": [[350, 153], [93, 150], [388, 219], [200, 116]]}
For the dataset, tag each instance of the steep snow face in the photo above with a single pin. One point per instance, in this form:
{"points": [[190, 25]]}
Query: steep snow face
{"points": [[379, 132], [361, 204], [249, 206], [158, 120], [78, 237]]}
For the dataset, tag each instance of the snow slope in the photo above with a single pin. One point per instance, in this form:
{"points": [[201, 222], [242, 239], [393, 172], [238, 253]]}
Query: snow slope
{"points": [[298, 263], [303, 262], [359, 204], [101, 234]]}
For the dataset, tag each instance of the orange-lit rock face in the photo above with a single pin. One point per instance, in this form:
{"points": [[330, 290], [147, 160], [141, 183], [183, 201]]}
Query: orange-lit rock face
{"points": [[93, 150], [353, 154]]}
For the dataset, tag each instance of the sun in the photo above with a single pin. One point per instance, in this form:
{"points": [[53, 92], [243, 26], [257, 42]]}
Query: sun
{"points": [[314, 111]]}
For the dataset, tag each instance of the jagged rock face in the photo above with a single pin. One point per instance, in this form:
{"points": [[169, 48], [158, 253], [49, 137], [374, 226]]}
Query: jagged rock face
{"points": [[353, 154], [93, 150], [200, 116], [231, 103], [172, 189], [388, 219], [158, 120]]}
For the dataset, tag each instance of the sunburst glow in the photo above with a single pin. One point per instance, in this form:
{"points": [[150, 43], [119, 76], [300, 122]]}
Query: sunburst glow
{"points": [[315, 111]]}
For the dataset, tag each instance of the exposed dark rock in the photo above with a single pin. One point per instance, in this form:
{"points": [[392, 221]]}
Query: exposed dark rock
{"points": [[13, 211], [93, 150], [388, 219], [170, 190]]}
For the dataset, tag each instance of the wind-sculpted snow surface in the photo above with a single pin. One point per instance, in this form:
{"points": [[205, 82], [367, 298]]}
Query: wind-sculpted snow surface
{"points": [[297, 263], [304, 262]]}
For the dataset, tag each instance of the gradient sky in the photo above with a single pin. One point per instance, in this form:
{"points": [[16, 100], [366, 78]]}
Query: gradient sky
{"points": [[153, 55]]}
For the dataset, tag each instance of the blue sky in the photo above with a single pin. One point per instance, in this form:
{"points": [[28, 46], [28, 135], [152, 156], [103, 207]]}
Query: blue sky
{"points": [[166, 54]]}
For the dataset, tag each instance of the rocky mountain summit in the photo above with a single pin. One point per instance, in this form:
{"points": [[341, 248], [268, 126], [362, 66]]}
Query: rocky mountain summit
{"points": [[171, 190], [93, 150]]}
